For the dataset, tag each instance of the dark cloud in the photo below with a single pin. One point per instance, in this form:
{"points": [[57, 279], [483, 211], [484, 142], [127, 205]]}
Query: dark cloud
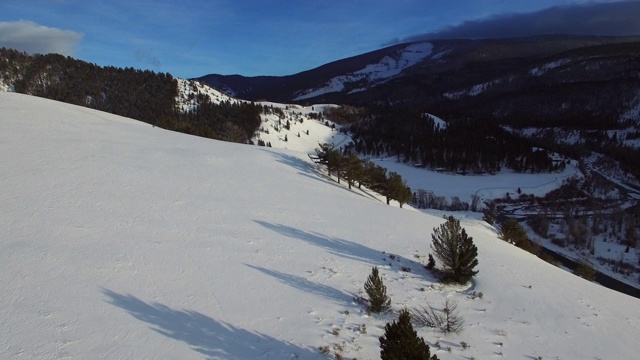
{"points": [[36, 39], [615, 19]]}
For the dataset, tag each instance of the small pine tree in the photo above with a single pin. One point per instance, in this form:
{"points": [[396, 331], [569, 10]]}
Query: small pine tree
{"points": [[377, 292], [400, 341], [452, 321], [455, 250]]}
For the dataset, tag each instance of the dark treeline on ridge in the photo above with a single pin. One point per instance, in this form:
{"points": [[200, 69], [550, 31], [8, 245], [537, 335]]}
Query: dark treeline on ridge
{"points": [[138, 94]]}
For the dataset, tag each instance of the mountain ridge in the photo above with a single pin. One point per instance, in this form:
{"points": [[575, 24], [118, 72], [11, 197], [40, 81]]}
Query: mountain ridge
{"points": [[449, 55]]}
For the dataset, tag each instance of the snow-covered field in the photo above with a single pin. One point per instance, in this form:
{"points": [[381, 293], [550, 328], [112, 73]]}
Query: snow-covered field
{"points": [[119, 240], [486, 186]]}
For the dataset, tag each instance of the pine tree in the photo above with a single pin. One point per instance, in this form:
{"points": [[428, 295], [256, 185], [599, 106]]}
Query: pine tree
{"points": [[455, 250], [351, 168], [401, 342], [511, 231], [377, 292]]}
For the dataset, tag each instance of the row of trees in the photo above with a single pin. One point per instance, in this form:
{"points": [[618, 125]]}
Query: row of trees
{"points": [[353, 170]]}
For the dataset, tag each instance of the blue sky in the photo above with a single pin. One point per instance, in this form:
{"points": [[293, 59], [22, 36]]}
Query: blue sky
{"points": [[192, 38]]}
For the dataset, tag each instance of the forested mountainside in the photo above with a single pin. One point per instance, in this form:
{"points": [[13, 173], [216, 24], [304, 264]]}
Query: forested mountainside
{"points": [[460, 145], [138, 94]]}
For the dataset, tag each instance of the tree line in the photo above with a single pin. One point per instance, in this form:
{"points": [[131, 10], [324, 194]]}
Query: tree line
{"points": [[353, 170]]}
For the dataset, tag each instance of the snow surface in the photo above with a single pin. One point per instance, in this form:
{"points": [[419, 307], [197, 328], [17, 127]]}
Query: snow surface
{"points": [[633, 113], [440, 124], [539, 71], [485, 186], [304, 134], [387, 68], [119, 240], [475, 90]]}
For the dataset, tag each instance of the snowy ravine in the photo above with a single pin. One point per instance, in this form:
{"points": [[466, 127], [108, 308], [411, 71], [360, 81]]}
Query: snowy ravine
{"points": [[119, 240]]}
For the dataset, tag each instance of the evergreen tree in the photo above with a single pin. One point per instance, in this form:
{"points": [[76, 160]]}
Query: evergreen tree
{"points": [[374, 176], [401, 342], [455, 250], [351, 169], [511, 231], [489, 213], [330, 157], [377, 292]]}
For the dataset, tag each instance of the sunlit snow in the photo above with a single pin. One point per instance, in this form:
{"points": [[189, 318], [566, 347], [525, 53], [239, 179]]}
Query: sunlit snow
{"points": [[120, 240]]}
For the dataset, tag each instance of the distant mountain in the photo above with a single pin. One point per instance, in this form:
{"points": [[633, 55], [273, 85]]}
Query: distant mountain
{"points": [[287, 88], [434, 73]]}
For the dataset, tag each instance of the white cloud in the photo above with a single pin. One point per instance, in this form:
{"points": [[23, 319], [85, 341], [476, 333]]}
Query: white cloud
{"points": [[33, 38]]}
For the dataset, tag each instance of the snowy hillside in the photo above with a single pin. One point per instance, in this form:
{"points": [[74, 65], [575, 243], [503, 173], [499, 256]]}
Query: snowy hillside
{"points": [[299, 128], [306, 126], [372, 74], [119, 240]]}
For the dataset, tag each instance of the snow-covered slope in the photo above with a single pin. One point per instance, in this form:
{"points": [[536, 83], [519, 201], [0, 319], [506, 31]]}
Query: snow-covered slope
{"points": [[306, 126], [299, 128], [373, 74], [119, 240]]}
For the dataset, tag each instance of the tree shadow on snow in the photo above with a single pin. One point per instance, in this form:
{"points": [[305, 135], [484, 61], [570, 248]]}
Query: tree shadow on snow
{"points": [[304, 167], [346, 249], [293, 161], [212, 338], [307, 285]]}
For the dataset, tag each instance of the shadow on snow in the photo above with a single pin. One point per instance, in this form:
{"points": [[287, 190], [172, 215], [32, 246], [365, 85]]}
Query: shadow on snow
{"points": [[311, 171], [304, 168], [347, 249], [210, 337], [307, 285]]}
